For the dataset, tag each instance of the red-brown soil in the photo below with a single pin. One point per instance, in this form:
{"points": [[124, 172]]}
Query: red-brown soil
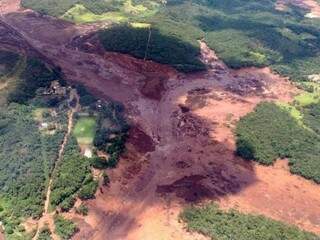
{"points": [[181, 147]]}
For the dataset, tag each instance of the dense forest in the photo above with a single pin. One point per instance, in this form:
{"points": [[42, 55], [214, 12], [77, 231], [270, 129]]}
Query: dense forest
{"points": [[71, 176], [31, 131], [242, 32], [33, 123], [229, 225], [270, 133]]}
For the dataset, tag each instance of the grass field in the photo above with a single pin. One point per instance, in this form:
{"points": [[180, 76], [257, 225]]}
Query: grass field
{"points": [[85, 129], [307, 98], [80, 14], [233, 225]]}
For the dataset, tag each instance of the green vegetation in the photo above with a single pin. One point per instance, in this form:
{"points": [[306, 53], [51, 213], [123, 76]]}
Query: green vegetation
{"points": [[64, 228], [8, 61], [88, 189], [80, 14], [27, 157], [111, 134], [70, 175], [82, 209], [30, 138], [161, 47], [88, 11], [243, 32], [84, 130], [229, 225], [35, 75], [102, 124], [307, 98], [270, 132], [44, 234]]}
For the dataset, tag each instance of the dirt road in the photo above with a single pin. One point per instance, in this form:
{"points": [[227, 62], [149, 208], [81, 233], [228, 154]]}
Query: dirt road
{"points": [[48, 217], [181, 146]]}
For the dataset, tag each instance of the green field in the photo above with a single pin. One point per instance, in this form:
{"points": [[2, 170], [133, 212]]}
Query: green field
{"points": [[307, 98], [80, 14], [85, 129], [233, 225]]}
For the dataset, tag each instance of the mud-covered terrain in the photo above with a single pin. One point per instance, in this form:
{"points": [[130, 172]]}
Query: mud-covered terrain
{"points": [[181, 144]]}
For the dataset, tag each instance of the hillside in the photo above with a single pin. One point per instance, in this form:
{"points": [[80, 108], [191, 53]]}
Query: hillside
{"points": [[143, 119]]}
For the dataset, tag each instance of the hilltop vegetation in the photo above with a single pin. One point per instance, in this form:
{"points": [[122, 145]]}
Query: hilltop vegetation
{"points": [[161, 47], [243, 33], [270, 132], [229, 225]]}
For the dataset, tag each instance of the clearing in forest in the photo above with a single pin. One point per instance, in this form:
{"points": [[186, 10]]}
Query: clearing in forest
{"points": [[84, 130]]}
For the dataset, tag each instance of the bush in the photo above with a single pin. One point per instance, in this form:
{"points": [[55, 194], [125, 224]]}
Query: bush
{"points": [[229, 225], [44, 234], [82, 209], [67, 203], [86, 98], [88, 190], [110, 139], [99, 163], [64, 228]]}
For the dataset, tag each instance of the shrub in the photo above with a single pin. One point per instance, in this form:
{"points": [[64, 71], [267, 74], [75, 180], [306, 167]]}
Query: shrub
{"points": [[88, 190], [82, 209], [44, 234], [99, 163], [229, 225], [64, 228]]}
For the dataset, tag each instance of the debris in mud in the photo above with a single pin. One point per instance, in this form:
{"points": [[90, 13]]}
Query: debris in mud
{"points": [[246, 85], [189, 188], [182, 164], [196, 99], [215, 183], [140, 140], [153, 87], [187, 124], [184, 109]]}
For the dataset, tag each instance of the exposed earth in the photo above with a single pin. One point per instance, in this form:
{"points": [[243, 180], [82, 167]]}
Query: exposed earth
{"points": [[181, 146]]}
